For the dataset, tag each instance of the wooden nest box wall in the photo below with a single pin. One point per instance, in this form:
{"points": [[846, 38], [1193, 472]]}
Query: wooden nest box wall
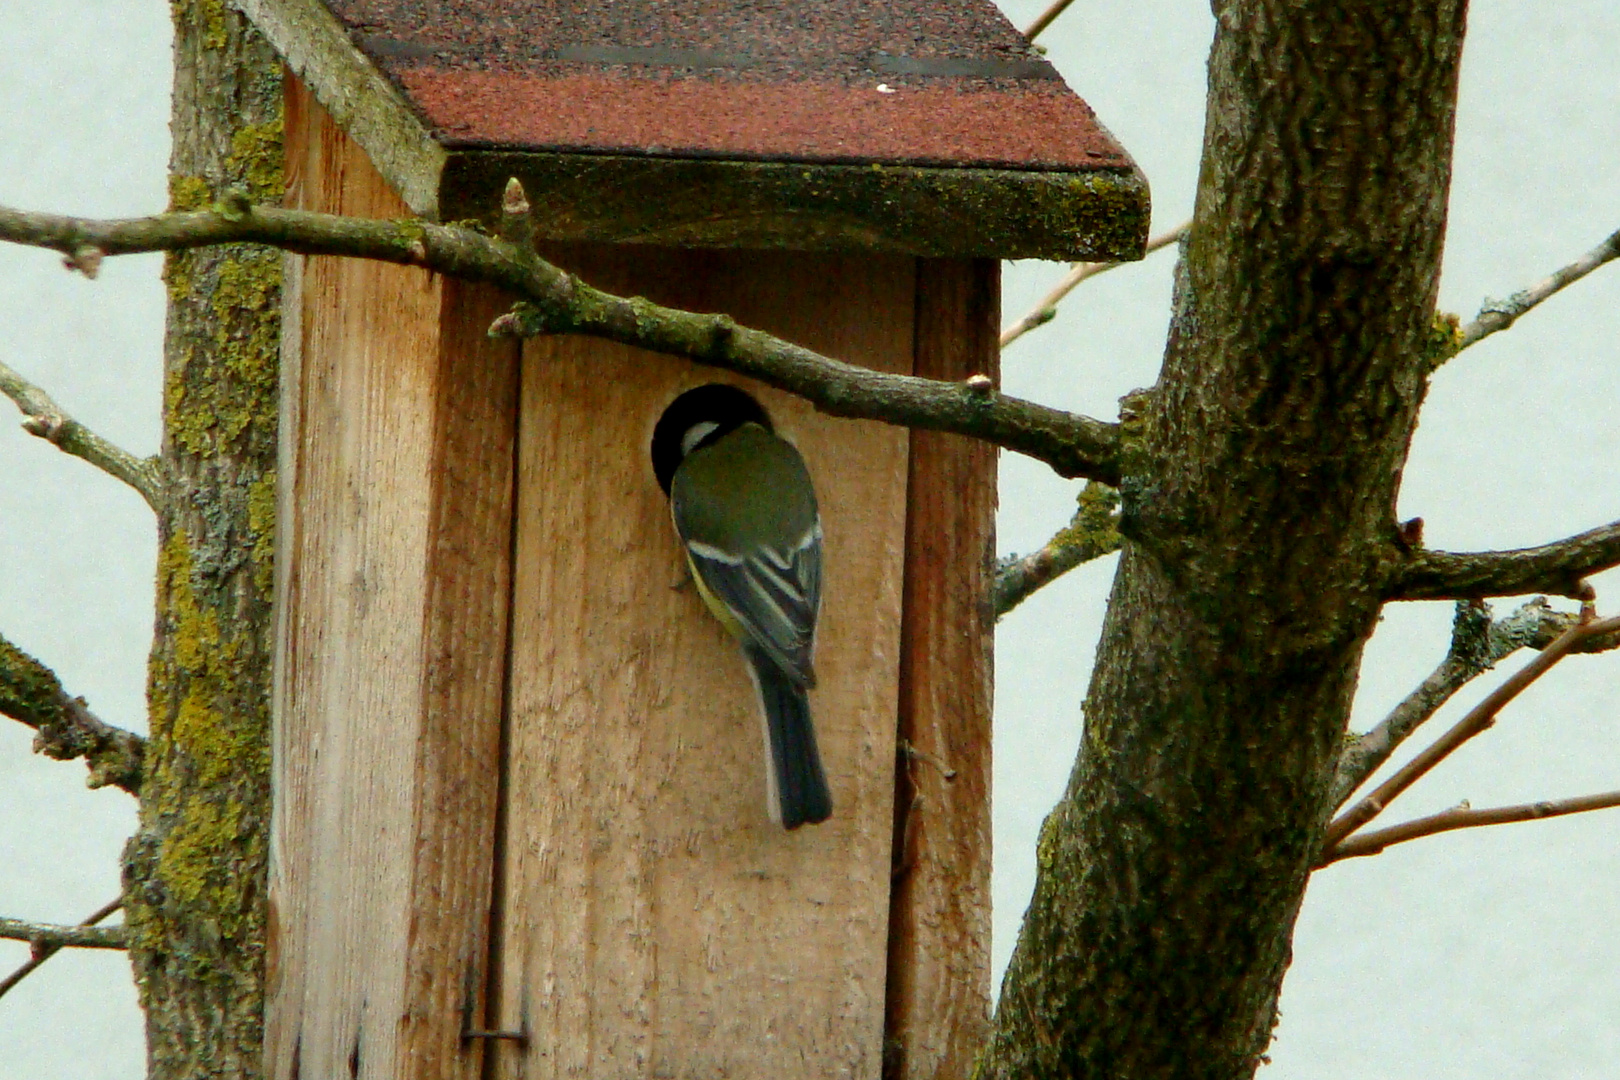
{"points": [[520, 824]]}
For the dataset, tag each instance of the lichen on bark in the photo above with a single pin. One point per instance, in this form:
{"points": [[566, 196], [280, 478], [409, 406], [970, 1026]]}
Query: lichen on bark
{"points": [[195, 870]]}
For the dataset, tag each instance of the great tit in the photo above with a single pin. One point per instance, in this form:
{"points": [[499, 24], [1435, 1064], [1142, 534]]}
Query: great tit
{"points": [[745, 511]]}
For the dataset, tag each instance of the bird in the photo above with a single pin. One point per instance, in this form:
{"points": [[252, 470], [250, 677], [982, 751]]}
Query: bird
{"points": [[745, 511]]}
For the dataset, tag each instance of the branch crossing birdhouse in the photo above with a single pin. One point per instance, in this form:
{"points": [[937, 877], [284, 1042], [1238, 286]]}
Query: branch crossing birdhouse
{"points": [[519, 824]]}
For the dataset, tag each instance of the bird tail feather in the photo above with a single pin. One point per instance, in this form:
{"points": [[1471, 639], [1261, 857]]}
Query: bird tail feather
{"points": [[798, 785]]}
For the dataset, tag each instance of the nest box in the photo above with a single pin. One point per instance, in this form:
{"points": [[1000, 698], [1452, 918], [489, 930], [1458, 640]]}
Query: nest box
{"points": [[519, 822]]}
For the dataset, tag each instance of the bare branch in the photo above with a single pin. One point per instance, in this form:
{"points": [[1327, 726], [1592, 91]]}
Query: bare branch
{"points": [[1497, 315], [1371, 843], [52, 935], [1046, 18], [559, 303], [1477, 643], [67, 729], [1045, 310], [1092, 533], [42, 953], [1470, 654], [44, 418], [1479, 718], [1559, 568]]}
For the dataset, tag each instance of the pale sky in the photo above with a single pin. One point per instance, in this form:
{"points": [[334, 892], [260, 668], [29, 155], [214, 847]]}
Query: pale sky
{"points": [[1483, 954]]}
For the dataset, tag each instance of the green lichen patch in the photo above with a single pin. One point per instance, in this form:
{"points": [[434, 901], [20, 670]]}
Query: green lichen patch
{"points": [[209, 753], [29, 691], [261, 519], [206, 15], [216, 401], [1094, 529], [192, 852], [255, 161], [1443, 340], [255, 165], [188, 193]]}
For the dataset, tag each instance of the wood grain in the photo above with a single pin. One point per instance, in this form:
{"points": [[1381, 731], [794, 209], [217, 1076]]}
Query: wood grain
{"points": [[393, 569], [655, 922], [939, 937]]}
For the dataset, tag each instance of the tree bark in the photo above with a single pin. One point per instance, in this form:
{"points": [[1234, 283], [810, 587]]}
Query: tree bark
{"points": [[194, 873], [1258, 515]]}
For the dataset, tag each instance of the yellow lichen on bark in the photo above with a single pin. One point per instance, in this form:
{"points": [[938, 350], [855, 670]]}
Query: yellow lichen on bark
{"points": [[195, 870], [261, 520], [238, 389], [255, 161], [201, 731]]}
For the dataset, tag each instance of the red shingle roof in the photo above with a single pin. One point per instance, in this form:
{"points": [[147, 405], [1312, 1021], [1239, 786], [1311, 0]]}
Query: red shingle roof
{"points": [[941, 83]]}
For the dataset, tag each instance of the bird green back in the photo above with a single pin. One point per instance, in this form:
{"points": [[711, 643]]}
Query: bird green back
{"points": [[747, 488]]}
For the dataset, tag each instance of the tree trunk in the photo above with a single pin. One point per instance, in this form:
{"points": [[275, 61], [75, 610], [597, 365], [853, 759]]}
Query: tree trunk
{"points": [[194, 873], [1258, 511]]}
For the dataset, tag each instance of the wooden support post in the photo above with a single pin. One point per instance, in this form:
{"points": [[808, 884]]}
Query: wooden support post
{"points": [[939, 931]]}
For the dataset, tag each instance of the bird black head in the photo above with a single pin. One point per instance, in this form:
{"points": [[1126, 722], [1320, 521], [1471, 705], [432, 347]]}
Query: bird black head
{"points": [[719, 407]]}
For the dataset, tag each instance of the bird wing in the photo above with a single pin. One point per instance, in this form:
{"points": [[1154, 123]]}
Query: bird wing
{"points": [[773, 595]]}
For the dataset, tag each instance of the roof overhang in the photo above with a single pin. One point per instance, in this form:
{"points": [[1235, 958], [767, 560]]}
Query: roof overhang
{"points": [[926, 128]]}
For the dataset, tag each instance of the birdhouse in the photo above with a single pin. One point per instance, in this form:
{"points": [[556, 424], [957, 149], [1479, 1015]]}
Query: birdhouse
{"points": [[520, 823]]}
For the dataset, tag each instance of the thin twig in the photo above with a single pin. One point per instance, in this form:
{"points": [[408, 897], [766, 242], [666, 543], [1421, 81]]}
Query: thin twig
{"points": [[1045, 310], [1559, 568], [1462, 817], [65, 726], [1478, 642], [1469, 655], [1495, 315], [42, 953], [1046, 18], [48, 935], [44, 417], [559, 303], [1479, 718], [1092, 533]]}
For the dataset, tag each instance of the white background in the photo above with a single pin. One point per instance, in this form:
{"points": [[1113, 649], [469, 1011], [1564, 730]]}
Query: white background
{"points": [[1484, 954]]}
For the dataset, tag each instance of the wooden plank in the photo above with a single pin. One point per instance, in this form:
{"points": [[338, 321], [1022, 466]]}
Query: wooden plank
{"points": [[655, 922], [821, 206], [393, 566], [939, 944]]}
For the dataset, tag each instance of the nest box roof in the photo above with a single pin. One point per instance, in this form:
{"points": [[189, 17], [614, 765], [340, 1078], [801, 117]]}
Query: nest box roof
{"points": [[930, 127]]}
